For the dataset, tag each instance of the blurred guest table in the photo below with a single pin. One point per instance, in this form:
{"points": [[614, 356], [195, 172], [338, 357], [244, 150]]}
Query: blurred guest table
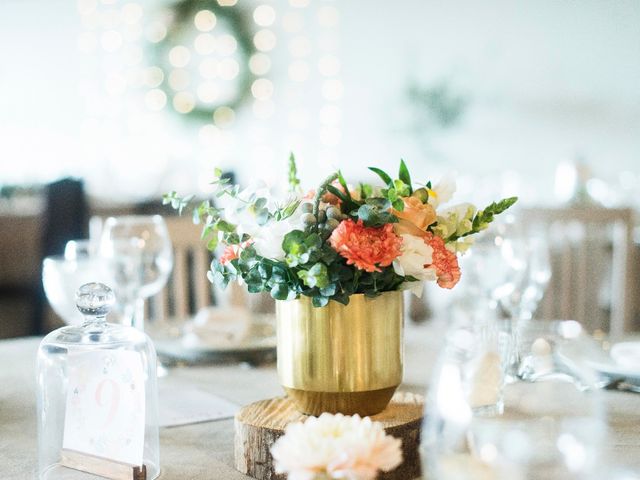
{"points": [[205, 450]]}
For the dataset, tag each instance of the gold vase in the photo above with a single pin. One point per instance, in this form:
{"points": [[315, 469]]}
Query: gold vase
{"points": [[339, 358]]}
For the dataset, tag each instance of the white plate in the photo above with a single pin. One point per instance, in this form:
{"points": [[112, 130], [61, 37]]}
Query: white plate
{"points": [[612, 369]]}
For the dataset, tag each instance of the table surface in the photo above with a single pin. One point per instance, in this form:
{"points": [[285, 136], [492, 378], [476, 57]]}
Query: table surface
{"points": [[205, 450]]}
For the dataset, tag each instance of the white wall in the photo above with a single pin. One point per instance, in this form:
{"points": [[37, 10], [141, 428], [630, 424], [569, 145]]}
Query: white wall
{"points": [[545, 80]]}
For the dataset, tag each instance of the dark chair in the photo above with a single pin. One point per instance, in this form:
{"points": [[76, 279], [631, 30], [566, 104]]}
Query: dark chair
{"points": [[65, 218]]}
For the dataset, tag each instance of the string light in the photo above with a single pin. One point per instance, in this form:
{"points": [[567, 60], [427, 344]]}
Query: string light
{"points": [[226, 45], [179, 79], [262, 88], [259, 64], [179, 56], [205, 20], [224, 116], [156, 32], [264, 40], [208, 92], [208, 68], [154, 77], [184, 102], [227, 3], [264, 15], [228, 69], [131, 13], [155, 99], [299, 3], [205, 44]]}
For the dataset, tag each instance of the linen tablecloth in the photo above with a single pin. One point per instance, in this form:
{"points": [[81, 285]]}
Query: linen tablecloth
{"points": [[205, 450]]}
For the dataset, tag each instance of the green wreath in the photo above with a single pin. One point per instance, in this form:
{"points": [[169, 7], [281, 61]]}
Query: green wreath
{"points": [[241, 26]]}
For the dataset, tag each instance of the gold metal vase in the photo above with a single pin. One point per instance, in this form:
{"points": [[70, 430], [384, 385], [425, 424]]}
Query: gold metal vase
{"points": [[339, 358]]}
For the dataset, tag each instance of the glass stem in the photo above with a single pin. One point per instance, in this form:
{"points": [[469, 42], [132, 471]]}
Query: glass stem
{"points": [[138, 314]]}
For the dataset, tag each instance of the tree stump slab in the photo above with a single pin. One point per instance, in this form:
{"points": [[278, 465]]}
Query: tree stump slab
{"points": [[260, 424]]}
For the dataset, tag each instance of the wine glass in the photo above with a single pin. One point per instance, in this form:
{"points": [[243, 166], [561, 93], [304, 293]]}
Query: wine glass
{"points": [[552, 425], [521, 301], [140, 256], [495, 264]]}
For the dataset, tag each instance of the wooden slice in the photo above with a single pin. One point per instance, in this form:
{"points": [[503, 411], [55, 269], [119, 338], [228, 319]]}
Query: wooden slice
{"points": [[260, 424]]}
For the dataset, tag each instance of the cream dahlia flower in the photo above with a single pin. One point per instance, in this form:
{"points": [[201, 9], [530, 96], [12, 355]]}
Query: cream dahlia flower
{"points": [[336, 447]]}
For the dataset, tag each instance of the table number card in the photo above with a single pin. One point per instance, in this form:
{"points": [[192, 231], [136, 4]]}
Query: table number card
{"points": [[105, 411]]}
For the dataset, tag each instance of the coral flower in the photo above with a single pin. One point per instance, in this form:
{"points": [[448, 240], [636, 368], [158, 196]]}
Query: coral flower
{"points": [[231, 252], [444, 262], [368, 248]]}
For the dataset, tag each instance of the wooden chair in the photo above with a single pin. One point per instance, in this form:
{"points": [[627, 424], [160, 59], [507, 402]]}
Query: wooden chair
{"points": [[188, 289], [593, 265]]}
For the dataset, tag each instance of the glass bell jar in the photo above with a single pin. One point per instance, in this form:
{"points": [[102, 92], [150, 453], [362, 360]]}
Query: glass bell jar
{"points": [[97, 397]]}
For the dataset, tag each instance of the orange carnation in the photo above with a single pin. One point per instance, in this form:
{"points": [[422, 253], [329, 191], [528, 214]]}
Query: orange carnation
{"points": [[231, 252], [415, 218], [368, 248], [443, 261]]}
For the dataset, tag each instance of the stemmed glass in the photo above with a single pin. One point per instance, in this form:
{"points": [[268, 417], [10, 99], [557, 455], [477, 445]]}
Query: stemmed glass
{"points": [[521, 302], [552, 425], [140, 256]]}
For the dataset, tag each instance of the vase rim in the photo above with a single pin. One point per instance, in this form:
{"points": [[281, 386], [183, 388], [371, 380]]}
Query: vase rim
{"points": [[301, 297]]}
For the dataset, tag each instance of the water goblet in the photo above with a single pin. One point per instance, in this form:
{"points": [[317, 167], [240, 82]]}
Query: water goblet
{"points": [[140, 256]]}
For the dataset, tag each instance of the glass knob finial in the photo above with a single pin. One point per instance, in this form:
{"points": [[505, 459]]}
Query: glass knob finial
{"points": [[95, 300]]}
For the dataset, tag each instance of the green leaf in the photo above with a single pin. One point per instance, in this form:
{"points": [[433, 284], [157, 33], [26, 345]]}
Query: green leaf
{"points": [[398, 204], [337, 193], [319, 301], [281, 291], [344, 185], [292, 241], [383, 175], [404, 175]]}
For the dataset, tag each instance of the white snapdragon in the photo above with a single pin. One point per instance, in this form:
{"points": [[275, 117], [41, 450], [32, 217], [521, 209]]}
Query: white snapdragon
{"points": [[443, 190], [455, 220]]}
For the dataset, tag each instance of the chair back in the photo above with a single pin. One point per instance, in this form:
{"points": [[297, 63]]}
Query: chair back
{"points": [[593, 266]]}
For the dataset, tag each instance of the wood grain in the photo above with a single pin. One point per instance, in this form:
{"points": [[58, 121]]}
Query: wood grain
{"points": [[260, 424]]}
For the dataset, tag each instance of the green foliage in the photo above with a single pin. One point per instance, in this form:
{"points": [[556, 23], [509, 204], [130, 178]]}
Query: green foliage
{"points": [[309, 265]]}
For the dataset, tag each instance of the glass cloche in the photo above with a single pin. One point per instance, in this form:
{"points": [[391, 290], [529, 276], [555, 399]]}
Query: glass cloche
{"points": [[97, 397]]}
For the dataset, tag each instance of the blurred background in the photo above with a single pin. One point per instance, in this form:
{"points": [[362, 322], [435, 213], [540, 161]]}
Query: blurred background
{"points": [[132, 99]]}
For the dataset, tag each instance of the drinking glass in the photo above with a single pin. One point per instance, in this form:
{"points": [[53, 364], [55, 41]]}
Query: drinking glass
{"points": [[552, 426], [495, 265], [521, 301], [140, 256]]}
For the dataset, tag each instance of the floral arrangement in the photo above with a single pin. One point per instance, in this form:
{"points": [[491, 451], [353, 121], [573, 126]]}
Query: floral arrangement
{"points": [[336, 446], [338, 240]]}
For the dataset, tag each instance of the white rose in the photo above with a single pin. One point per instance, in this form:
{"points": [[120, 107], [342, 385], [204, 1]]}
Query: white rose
{"points": [[415, 255], [267, 239]]}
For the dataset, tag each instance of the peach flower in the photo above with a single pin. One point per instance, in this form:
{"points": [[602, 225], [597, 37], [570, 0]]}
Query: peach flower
{"points": [[444, 262], [231, 252], [368, 248], [415, 218], [336, 447]]}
